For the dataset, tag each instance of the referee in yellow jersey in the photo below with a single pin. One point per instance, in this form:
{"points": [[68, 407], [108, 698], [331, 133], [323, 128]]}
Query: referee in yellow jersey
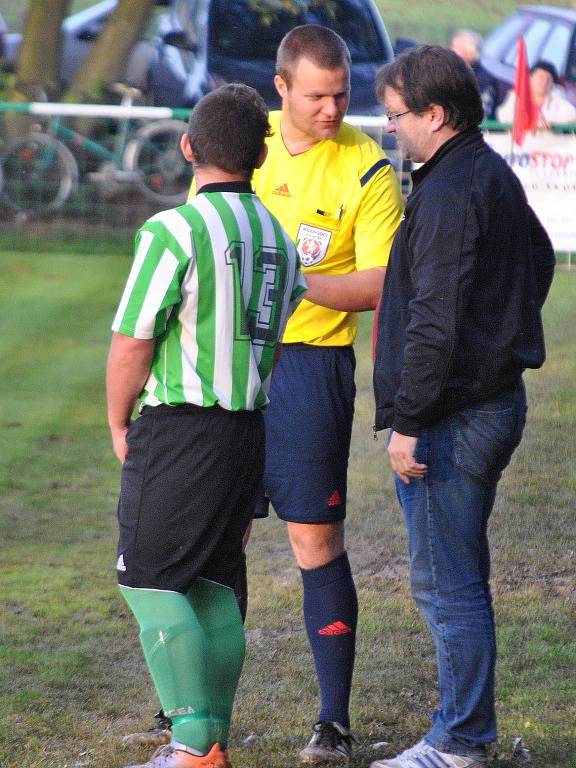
{"points": [[336, 194]]}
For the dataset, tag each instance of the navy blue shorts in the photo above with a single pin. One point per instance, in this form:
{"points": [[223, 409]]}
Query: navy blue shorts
{"points": [[308, 430]]}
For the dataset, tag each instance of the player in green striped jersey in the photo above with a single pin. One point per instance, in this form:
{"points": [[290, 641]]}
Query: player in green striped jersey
{"points": [[223, 263], [195, 337]]}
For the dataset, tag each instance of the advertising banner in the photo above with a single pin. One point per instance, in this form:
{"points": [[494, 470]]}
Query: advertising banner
{"points": [[546, 166]]}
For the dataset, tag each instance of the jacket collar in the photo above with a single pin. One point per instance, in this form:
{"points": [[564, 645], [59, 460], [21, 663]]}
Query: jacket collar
{"points": [[469, 137]]}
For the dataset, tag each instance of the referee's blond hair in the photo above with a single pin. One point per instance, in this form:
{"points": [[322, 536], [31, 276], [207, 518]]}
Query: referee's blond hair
{"points": [[324, 47]]}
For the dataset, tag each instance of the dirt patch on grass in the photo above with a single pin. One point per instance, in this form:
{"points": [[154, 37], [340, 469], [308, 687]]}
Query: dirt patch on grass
{"points": [[260, 636], [514, 578], [505, 579]]}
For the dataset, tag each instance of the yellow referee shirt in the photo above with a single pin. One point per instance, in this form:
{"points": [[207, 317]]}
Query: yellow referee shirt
{"points": [[340, 202]]}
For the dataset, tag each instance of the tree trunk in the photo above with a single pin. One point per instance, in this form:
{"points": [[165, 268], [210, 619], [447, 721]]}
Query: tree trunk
{"points": [[36, 76], [38, 58], [105, 63]]}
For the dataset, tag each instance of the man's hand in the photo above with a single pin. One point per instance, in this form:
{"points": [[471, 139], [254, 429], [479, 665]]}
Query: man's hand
{"points": [[401, 449], [119, 443], [128, 367]]}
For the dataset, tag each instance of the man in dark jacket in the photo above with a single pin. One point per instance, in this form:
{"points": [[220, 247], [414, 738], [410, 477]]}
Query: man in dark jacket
{"points": [[459, 322]]}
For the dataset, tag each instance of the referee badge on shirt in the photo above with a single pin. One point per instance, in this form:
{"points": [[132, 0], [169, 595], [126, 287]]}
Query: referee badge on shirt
{"points": [[312, 243]]}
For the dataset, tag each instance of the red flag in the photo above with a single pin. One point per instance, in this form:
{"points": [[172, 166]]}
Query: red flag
{"points": [[526, 111]]}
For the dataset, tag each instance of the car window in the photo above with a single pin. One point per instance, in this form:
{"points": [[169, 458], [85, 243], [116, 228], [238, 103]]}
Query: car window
{"points": [[534, 36], [253, 29], [90, 32], [556, 47], [504, 37]]}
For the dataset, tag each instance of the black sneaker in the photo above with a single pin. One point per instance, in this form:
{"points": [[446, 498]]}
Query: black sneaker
{"points": [[159, 734], [331, 743]]}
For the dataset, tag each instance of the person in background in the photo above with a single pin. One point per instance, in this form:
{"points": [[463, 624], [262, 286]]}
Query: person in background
{"points": [[553, 107], [468, 45], [459, 322], [195, 338]]}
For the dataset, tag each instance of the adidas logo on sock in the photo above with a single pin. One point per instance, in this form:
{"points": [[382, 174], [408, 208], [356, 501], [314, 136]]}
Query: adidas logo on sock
{"points": [[336, 628]]}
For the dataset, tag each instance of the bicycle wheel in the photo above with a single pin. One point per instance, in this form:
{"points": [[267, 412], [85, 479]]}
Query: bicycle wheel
{"points": [[164, 175], [40, 173]]}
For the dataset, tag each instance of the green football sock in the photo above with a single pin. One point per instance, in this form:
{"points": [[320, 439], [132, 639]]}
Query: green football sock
{"points": [[176, 649], [217, 611]]}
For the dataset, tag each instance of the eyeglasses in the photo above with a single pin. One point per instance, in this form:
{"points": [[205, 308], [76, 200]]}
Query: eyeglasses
{"points": [[395, 115]]}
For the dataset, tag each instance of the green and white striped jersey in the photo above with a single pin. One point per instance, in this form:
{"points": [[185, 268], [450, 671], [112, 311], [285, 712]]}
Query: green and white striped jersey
{"points": [[214, 282]]}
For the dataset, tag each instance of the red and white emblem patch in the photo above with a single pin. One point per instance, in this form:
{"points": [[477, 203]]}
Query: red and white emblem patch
{"points": [[312, 244]]}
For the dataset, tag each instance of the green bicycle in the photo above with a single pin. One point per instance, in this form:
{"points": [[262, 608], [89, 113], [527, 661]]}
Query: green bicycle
{"points": [[41, 172]]}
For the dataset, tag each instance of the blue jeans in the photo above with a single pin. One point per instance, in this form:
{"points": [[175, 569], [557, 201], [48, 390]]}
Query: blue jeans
{"points": [[446, 515]]}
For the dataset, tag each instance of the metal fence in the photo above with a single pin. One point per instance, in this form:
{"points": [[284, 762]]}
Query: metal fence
{"points": [[77, 170], [85, 169]]}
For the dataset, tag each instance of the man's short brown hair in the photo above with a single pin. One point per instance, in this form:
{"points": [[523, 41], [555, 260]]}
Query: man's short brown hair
{"points": [[324, 47], [228, 127]]}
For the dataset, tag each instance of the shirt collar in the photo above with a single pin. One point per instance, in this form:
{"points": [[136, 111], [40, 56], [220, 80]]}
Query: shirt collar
{"points": [[227, 186]]}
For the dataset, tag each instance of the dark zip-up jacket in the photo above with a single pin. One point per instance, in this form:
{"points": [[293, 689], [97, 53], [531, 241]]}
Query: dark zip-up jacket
{"points": [[469, 271]]}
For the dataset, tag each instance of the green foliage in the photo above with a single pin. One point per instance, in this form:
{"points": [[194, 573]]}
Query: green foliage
{"points": [[435, 22], [72, 679], [427, 22], [14, 13]]}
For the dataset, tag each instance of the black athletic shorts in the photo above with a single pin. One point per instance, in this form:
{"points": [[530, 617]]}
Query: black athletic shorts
{"points": [[187, 495]]}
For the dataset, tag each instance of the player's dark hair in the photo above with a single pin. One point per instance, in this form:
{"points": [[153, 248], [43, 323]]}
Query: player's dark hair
{"points": [[324, 47], [228, 127], [433, 74]]}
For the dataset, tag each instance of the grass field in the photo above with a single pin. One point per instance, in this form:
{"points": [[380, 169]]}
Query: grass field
{"points": [[72, 679]]}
